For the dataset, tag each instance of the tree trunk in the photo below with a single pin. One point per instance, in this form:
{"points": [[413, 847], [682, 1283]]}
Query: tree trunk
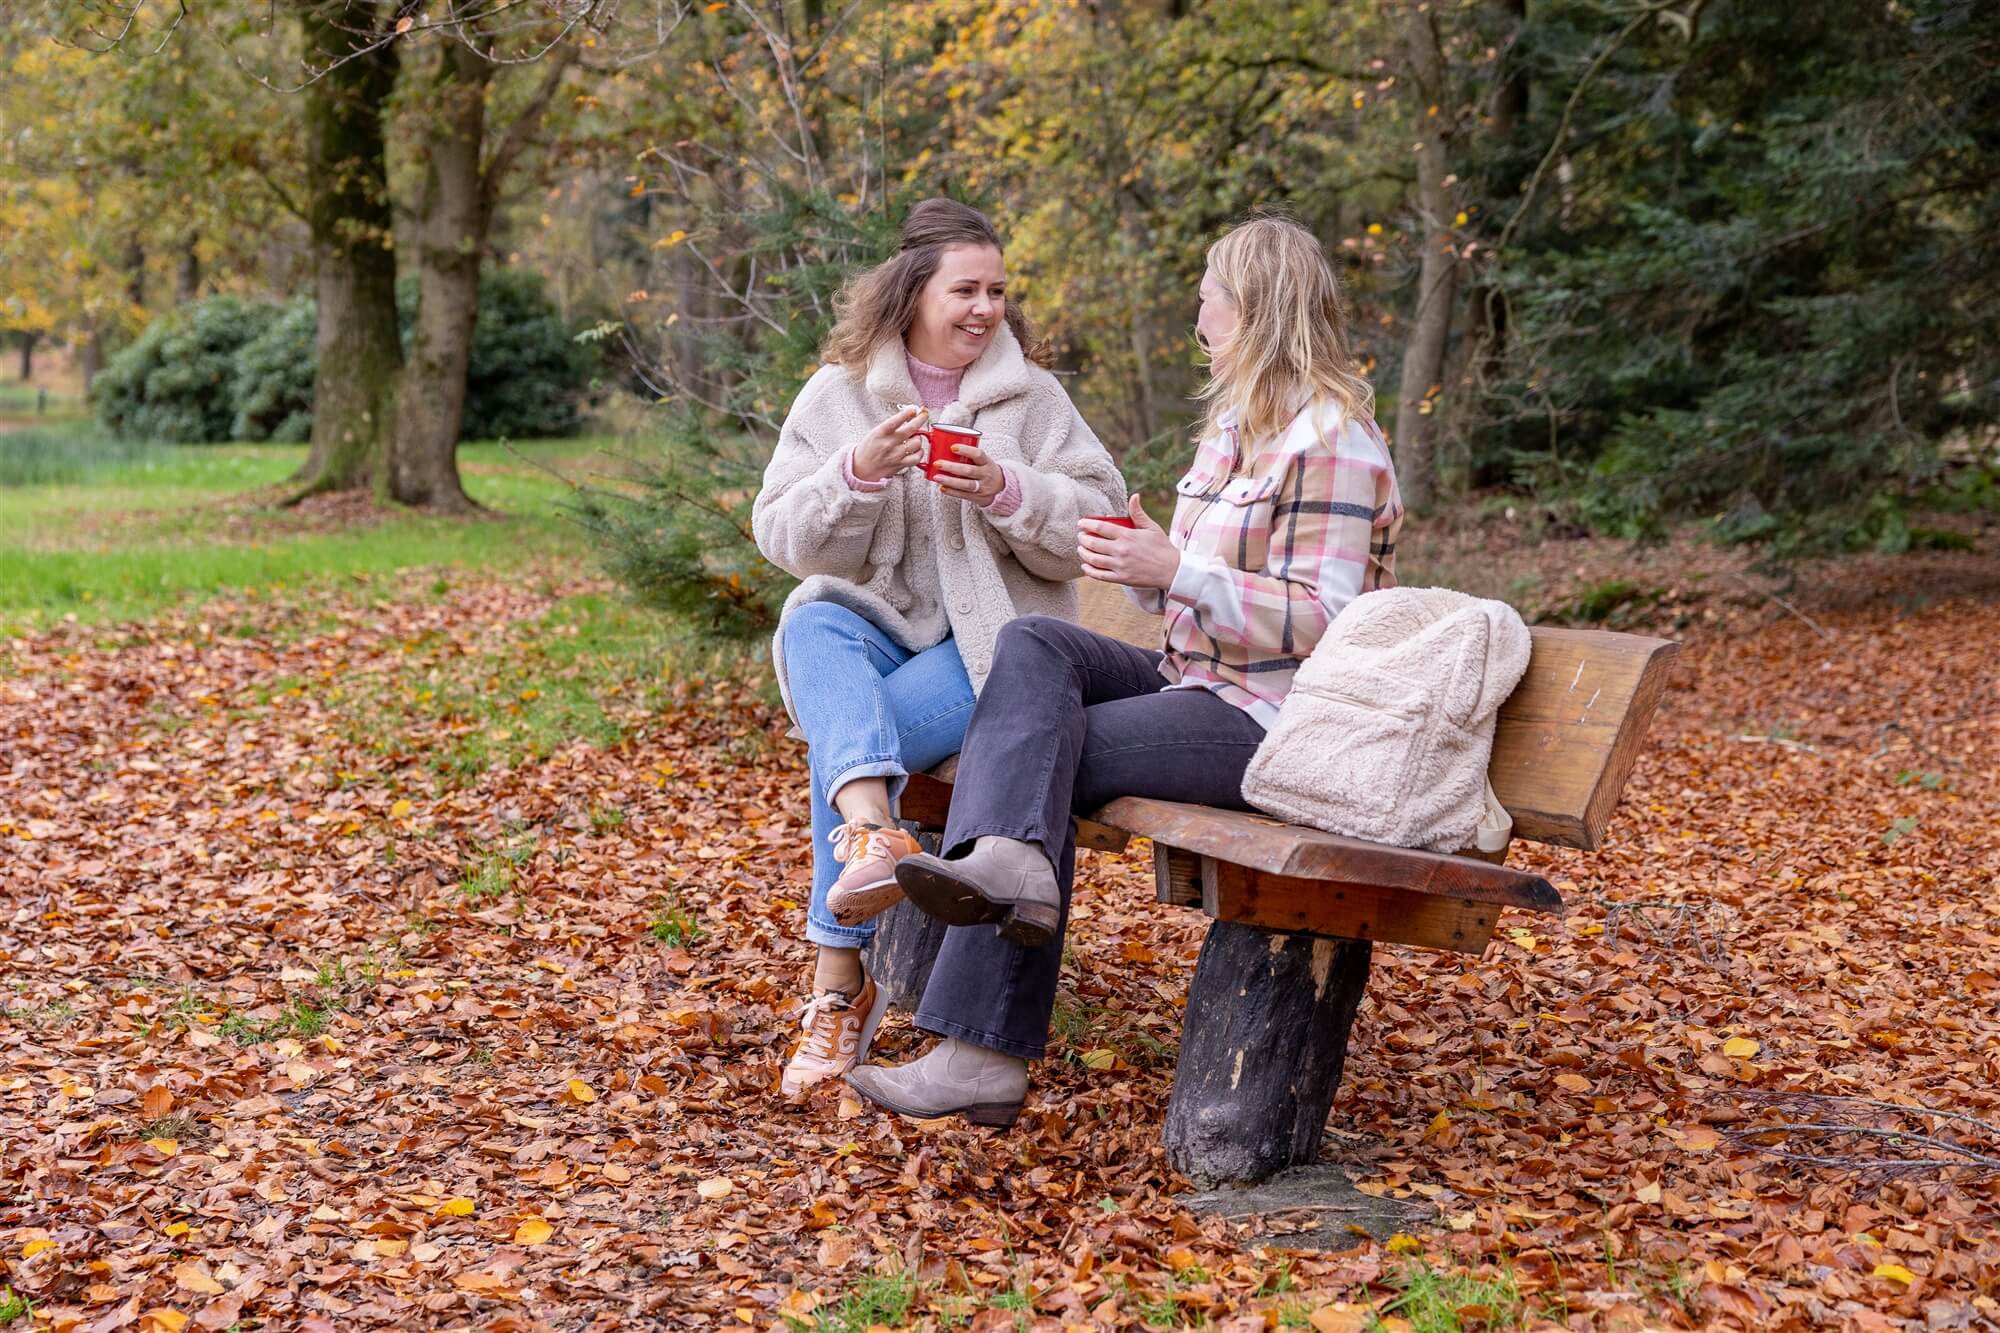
{"points": [[89, 358], [28, 340], [135, 273], [187, 271], [906, 943], [1262, 1046], [354, 259], [1437, 276], [452, 220]]}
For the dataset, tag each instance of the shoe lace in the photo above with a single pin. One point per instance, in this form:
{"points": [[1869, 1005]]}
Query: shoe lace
{"points": [[856, 841], [819, 1036]]}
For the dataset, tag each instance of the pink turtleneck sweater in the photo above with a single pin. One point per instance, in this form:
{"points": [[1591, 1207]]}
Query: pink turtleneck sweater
{"points": [[937, 388]]}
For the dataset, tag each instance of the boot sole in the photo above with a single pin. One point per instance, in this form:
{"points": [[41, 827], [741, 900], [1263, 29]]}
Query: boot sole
{"points": [[854, 907], [990, 1115], [940, 891]]}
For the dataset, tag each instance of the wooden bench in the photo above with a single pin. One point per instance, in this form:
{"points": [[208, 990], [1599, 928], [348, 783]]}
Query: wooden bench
{"points": [[1297, 912]]}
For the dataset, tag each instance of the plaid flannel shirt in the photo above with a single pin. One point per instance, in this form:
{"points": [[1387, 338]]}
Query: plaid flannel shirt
{"points": [[1272, 550]]}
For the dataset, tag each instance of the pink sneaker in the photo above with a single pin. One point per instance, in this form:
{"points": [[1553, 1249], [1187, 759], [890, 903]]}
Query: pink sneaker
{"points": [[867, 887], [838, 1029]]}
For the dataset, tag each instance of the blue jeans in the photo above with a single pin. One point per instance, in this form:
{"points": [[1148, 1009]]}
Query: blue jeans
{"points": [[869, 709]]}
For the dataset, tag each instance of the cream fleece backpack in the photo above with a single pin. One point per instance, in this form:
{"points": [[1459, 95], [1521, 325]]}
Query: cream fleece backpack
{"points": [[1389, 726]]}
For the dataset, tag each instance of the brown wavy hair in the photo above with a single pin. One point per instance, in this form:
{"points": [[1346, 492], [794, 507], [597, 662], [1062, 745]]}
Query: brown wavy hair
{"points": [[881, 303]]}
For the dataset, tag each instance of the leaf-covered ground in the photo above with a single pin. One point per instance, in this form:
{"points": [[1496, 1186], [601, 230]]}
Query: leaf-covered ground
{"points": [[312, 1024]]}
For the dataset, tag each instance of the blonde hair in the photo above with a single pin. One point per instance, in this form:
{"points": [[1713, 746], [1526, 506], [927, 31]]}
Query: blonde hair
{"points": [[1291, 346], [881, 303]]}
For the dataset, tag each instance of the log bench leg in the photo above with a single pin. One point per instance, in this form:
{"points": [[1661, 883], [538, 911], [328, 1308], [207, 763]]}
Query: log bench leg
{"points": [[906, 943], [1262, 1047]]}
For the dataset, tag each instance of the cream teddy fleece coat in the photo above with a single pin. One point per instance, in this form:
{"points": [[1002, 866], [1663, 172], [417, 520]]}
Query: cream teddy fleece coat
{"points": [[1388, 730], [917, 563]]}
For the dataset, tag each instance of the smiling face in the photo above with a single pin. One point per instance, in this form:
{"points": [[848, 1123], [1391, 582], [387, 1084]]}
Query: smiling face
{"points": [[1218, 318], [960, 308]]}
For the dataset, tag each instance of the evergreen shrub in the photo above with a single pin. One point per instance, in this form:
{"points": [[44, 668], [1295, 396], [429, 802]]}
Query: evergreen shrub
{"points": [[175, 382]]}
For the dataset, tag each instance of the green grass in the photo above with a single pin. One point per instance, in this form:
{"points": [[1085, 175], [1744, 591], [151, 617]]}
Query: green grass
{"points": [[14, 1306], [674, 926], [876, 1299], [495, 873], [171, 524], [54, 455], [1433, 1301]]}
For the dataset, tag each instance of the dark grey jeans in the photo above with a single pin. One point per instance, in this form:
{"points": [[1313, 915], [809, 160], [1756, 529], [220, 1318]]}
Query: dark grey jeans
{"points": [[1067, 720]]}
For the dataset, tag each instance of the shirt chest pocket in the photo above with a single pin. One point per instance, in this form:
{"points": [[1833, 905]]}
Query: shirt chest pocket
{"points": [[1235, 522]]}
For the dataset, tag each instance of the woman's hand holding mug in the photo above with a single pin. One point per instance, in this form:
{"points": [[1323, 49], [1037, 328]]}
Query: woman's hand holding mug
{"points": [[892, 446], [971, 476], [1140, 555]]}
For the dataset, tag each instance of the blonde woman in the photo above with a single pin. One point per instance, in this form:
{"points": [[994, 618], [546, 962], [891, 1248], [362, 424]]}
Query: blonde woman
{"points": [[1289, 512], [907, 581]]}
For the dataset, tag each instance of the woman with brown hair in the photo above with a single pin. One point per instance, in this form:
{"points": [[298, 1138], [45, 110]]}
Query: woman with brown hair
{"points": [[907, 580]]}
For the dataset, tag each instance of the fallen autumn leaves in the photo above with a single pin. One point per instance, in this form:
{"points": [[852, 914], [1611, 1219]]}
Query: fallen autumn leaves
{"points": [[297, 1036]]}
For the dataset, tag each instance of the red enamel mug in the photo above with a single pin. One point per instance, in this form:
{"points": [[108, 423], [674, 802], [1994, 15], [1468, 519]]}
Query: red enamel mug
{"points": [[942, 439]]}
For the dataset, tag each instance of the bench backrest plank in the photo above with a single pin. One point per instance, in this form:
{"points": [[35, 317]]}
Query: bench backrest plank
{"points": [[1567, 737]]}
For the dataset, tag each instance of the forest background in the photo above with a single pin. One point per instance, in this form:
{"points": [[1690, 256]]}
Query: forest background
{"points": [[1623, 264]]}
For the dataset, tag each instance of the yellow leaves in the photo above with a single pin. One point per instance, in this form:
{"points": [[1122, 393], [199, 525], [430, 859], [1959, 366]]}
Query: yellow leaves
{"points": [[1374, 229], [1461, 219], [533, 1231], [400, 808], [1650, 1192], [1404, 1243], [1103, 1057], [715, 6], [175, 1230], [1340, 1317], [1700, 1139], [193, 1275], [35, 1247], [670, 240], [580, 1092], [1740, 1048], [460, 1207], [164, 1147], [1895, 1273], [1526, 939], [165, 1317], [717, 1187]]}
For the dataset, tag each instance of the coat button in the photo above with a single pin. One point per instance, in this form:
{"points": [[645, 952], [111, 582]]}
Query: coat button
{"points": [[957, 542], [964, 605]]}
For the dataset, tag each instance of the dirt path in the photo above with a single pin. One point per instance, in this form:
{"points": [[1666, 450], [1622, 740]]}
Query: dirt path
{"points": [[290, 1047]]}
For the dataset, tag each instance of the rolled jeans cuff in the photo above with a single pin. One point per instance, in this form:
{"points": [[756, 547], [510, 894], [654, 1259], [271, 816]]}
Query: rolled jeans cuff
{"points": [[833, 935], [870, 767]]}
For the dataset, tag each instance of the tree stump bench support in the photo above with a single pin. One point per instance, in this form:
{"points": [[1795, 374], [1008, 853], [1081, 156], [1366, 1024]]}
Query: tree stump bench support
{"points": [[1296, 912]]}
